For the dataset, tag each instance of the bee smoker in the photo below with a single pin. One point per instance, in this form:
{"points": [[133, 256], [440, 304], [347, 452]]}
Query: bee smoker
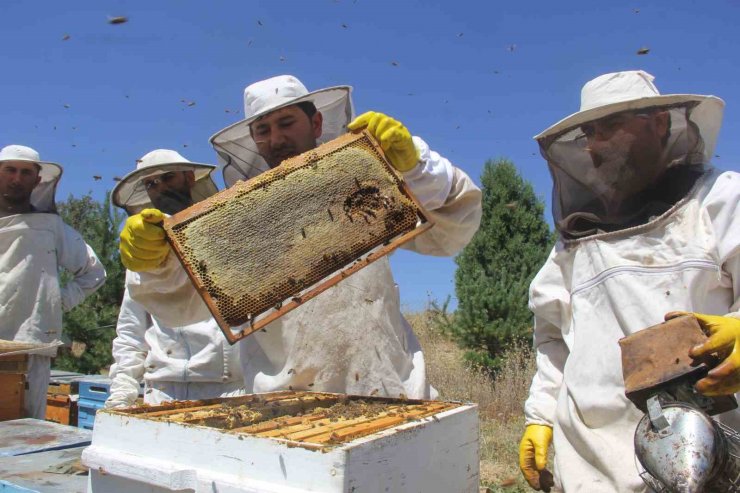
{"points": [[678, 446]]}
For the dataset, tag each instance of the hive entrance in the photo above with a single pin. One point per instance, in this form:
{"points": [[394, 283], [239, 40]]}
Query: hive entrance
{"points": [[275, 241], [308, 419]]}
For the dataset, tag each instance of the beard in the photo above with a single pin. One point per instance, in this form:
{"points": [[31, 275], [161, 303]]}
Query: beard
{"points": [[621, 171], [172, 201], [16, 196], [280, 154]]}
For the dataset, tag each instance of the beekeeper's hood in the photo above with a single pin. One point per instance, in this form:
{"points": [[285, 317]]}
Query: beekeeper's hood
{"points": [[42, 196], [237, 151], [580, 187], [130, 193]]}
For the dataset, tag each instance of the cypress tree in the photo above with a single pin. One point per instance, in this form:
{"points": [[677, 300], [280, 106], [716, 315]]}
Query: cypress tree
{"points": [[496, 267]]}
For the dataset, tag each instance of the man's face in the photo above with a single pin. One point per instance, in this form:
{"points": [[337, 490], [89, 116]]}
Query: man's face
{"points": [[285, 133], [170, 191], [626, 150], [17, 181]]}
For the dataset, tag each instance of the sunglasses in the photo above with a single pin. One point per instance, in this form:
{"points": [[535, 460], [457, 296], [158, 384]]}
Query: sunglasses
{"points": [[608, 125], [149, 183]]}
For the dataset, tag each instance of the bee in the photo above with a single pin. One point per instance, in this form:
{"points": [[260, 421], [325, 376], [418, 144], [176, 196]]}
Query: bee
{"points": [[117, 20]]}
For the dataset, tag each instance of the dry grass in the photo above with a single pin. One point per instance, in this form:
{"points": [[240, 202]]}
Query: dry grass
{"points": [[500, 399]]}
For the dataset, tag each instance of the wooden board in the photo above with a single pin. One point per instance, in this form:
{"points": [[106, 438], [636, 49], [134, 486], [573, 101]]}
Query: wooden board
{"points": [[53, 471], [26, 436]]}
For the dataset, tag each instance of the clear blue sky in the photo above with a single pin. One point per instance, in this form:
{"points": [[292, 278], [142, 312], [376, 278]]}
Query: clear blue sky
{"points": [[476, 80]]}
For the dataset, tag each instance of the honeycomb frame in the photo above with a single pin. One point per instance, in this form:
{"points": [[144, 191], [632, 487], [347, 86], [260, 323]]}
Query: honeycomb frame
{"points": [[316, 421], [376, 217]]}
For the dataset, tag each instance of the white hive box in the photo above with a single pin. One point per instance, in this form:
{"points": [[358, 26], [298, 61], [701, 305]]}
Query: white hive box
{"points": [[288, 442]]}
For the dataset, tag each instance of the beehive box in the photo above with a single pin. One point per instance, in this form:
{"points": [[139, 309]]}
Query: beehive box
{"points": [[12, 392], [265, 246], [287, 442], [14, 363], [61, 409]]}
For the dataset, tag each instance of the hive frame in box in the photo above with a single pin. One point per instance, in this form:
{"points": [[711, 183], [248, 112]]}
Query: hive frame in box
{"points": [[282, 306], [144, 450]]}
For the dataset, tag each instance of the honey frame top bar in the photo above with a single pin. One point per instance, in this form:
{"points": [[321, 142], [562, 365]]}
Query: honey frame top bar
{"points": [[311, 420], [321, 273]]}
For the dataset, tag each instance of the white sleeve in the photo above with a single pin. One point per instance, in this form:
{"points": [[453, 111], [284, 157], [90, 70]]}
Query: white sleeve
{"points": [[168, 294], [723, 205], [129, 353], [549, 300], [450, 197], [76, 256]]}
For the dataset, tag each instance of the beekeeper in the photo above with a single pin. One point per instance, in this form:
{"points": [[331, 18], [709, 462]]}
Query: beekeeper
{"points": [[176, 361], [35, 244], [647, 227], [351, 338]]}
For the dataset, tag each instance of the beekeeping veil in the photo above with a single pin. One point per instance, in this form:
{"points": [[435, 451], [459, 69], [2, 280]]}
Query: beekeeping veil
{"points": [[130, 193], [42, 196], [237, 151], [595, 187]]}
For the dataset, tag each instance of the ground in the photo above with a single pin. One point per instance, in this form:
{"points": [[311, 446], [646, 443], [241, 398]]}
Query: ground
{"points": [[500, 400]]}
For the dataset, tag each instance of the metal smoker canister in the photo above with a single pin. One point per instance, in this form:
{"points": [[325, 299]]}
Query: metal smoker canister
{"points": [[678, 446]]}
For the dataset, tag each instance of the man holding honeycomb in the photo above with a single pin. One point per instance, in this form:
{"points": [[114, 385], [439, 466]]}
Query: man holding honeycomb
{"points": [[352, 338]]}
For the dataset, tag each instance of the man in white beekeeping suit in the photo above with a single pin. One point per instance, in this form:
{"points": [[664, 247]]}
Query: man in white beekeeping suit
{"points": [[176, 362], [35, 244], [352, 338], [647, 227]]}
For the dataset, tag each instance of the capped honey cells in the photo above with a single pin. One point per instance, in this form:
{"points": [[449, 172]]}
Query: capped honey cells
{"points": [[250, 248]]}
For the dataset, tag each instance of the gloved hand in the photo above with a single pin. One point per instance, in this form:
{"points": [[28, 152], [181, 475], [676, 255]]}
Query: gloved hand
{"points": [[143, 246], [724, 340], [533, 456], [394, 138]]}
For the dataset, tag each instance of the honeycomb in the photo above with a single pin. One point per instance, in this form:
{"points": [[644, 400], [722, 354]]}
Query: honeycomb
{"points": [[264, 241]]}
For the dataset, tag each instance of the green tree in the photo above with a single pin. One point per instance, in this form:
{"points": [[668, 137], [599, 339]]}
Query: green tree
{"points": [[91, 326], [496, 267]]}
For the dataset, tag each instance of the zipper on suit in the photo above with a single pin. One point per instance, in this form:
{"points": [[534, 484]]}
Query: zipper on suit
{"points": [[189, 354], [613, 271]]}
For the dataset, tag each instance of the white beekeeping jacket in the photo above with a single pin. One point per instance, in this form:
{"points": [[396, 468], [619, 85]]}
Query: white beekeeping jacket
{"points": [[146, 349], [33, 248], [592, 293], [352, 338]]}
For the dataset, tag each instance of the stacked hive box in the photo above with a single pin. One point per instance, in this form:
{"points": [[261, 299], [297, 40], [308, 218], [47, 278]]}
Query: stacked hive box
{"points": [[61, 399], [12, 385], [93, 393]]}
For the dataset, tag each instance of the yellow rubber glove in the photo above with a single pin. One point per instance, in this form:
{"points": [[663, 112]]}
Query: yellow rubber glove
{"points": [[143, 246], [724, 341], [394, 138], [533, 456]]}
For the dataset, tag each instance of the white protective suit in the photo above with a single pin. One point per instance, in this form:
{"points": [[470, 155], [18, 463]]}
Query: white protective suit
{"points": [[598, 287], [33, 248], [352, 338], [176, 363]]}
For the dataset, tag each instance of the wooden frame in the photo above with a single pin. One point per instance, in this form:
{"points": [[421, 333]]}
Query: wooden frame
{"points": [[304, 419], [310, 291]]}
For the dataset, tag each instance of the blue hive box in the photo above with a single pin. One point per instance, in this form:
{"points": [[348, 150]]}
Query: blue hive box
{"points": [[93, 393]]}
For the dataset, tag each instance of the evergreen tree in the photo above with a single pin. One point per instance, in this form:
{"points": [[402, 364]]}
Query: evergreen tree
{"points": [[496, 267], [91, 326]]}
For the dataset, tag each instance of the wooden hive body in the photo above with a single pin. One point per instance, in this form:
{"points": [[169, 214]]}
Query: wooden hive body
{"points": [[277, 240], [287, 442]]}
